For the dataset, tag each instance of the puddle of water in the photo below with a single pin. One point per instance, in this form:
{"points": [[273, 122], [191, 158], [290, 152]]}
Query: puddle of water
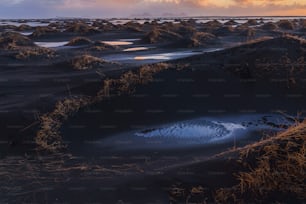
{"points": [[26, 33], [30, 23], [196, 132], [130, 57], [201, 131], [129, 40], [166, 56], [202, 21], [152, 57], [51, 44], [117, 43], [173, 55], [133, 49]]}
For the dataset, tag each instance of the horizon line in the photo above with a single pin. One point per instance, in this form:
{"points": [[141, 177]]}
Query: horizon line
{"points": [[153, 17]]}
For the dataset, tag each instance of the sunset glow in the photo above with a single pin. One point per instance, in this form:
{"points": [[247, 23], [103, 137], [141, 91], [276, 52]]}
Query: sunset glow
{"points": [[128, 8]]}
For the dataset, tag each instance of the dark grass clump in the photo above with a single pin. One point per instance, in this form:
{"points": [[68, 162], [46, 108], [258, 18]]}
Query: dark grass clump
{"points": [[24, 27], [178, 36], [13, 41], [81, 28], [276, 172], [270, 26], [23, 48], [41, 31], [48, 137], [35, 53], [231, 23], [251, 22], [79, 41], [85, 62], [157, 35], [224, 31], [101, 46], [286, 25]]}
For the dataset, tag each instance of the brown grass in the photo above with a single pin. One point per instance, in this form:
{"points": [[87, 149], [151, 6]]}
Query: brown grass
{"points": [[100, 46], [84, 62], [257, 40], [81, 28], [78, 41], [286, 25], [39, 52], [276, 173], [41, 31], [13, 41], [157, 35], [49, 136], [201, 38], [269, 26], [24, 27], [23, 47]]}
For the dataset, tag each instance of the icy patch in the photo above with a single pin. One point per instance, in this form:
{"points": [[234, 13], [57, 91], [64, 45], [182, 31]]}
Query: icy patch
{"points": [[166, 56], [198, 131], [51, 44]]}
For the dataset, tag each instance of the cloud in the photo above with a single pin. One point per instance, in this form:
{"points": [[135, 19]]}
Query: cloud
{"points": [[121, 8]]}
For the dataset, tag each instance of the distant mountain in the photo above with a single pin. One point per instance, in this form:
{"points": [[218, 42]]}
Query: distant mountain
{"points": [[141, 15], [167, 14]]}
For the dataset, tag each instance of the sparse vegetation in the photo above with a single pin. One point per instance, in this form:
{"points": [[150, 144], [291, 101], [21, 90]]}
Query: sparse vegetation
{"points": [[24, 27], [158, 35], [100, 46], [200, 39], [79, 41], [286, 25], [231, 22], [84, 62], [41, 31], [269, 26], [251, 22], [224, 30], [13, 41], [81, 28], [277, 168], [30, 53], [23, 48], [49, 138]]}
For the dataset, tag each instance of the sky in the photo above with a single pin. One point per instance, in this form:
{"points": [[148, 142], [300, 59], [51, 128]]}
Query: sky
{"points": [[149, 8]]}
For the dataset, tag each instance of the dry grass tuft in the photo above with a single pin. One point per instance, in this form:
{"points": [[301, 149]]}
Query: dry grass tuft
{"points": [[22, 47], [13, 41], [78, 41], [39, 52], [24, 27], [81, 28], [269, 26], [100, 46], [157, 35], [129, 80], [286, 25], [276, 166], [200, 38], [41, 31], [84, 62], [48, 137]]}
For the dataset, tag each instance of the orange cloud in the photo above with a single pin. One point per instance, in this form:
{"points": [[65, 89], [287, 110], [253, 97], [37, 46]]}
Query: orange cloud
{"points": [[290, 12], [121, 8]]}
